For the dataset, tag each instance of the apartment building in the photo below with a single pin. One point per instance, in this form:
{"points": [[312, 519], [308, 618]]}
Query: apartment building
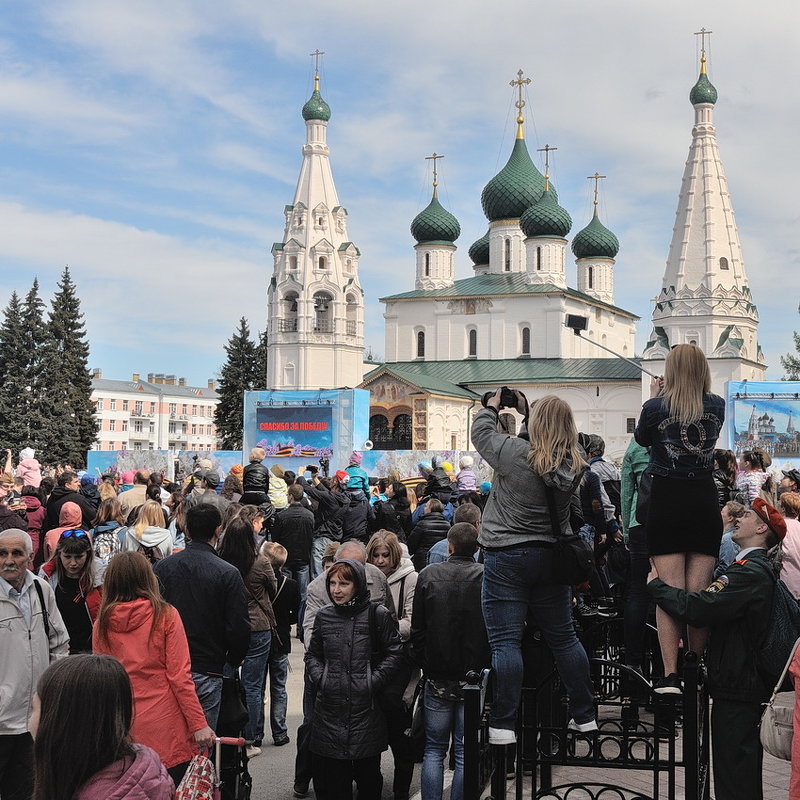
{"points": [[160, 413]]}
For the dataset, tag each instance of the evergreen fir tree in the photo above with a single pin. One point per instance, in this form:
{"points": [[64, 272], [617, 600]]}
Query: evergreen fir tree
{"points": [[36, 338], [67, 409], [791, 362], [260, 376], [237, 375], [14, 397]]}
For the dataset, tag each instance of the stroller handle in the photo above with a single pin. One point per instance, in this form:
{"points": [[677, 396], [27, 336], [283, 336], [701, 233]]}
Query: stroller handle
{"points": [[231, 740]]}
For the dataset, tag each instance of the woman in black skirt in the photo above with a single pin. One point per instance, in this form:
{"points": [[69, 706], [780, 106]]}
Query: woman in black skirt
{"points": [[680, 424]]}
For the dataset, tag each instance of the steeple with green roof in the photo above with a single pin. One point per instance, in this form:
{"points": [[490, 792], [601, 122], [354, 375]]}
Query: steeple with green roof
{"points": [[316, 108]]}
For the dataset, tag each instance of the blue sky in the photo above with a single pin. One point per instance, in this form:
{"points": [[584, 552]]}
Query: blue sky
{"points": [[152, 146]]}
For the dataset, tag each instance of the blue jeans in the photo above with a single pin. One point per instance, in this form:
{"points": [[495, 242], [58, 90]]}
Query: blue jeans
{"points": [[253, 668], [209, 693], [302, 576], [516, 581], [317, 549], [442, 717], [278, 673]]}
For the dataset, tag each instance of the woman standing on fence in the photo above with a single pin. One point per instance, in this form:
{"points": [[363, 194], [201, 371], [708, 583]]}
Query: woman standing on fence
{"points": [[517, 538], [680, 424]]}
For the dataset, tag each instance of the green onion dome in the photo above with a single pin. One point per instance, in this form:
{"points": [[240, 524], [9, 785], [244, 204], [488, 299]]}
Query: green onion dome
{"points": [[546, 218], [703, 91], [595, 241], [515, 188], [435, 224], [316, 107], [479, 252]]}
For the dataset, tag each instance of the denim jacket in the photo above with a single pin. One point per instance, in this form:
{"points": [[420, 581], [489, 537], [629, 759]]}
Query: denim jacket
{"points": [[676, 449]]}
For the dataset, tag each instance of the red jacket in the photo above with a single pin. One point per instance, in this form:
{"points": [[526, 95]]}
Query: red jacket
{"points": [[166, 711]]}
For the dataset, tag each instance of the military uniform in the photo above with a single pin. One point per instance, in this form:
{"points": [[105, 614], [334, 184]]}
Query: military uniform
{"points": [[736, 607]]}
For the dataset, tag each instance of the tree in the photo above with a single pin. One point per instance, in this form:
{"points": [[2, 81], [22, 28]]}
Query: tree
{"points": [[36, 338], [260, 377], [237, 376], [15, 395], [790, 362], [66, 404]]}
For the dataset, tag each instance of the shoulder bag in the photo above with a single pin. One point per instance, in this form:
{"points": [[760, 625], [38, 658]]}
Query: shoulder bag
{"points": [[573, 558], [776, 722]]}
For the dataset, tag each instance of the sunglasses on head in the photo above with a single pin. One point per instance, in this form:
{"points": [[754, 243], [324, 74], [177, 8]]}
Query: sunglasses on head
{"points": [[77, 533]]}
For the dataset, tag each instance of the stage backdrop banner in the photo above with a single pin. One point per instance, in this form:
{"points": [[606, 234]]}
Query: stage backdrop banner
{"points": [[171, 462], [304, 432], [765, 414]]}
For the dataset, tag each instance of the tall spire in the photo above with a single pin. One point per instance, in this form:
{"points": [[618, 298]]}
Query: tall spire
{"points": [[520, 104]]}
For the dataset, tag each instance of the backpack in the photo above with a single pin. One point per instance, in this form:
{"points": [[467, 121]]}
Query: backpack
{"points": [[199, 782], [782, 633], [152, 554]]}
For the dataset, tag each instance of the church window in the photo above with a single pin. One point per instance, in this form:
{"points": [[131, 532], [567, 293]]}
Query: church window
{"points": [[507, 254], [323, 315], [292, 262], [420, 344], [427, 264], [454, 441], [352, 316], [323, 263], [538, 258], [319, 221], [401, 432], [630, 424], [723, 263], [526, 341], [472, 337], [590, 277]]}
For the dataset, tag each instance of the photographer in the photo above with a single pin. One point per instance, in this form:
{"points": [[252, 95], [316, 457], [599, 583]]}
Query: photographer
{"points": [[331, 504], [517, 538]]}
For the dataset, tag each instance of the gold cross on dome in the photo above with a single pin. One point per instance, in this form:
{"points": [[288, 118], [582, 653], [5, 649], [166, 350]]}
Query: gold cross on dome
{"points": [[435, 157], [520, 104], [597, 177], [702, 33], [546, 150]]}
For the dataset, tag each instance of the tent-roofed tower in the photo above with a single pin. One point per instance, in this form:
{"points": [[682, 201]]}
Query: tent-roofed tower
{"points": [[705, 298], [315, 300]]}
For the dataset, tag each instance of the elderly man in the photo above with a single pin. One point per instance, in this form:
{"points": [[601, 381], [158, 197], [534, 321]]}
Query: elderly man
{"points": [[32, 634], [736, 608]]}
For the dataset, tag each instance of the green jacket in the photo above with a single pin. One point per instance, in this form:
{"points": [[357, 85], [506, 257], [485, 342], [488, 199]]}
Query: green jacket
{"points": [[736, 607], [634, 463]]}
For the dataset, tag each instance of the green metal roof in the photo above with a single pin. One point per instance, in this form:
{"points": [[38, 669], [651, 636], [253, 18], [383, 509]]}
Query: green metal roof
{"points": [[316, 108], [453, 377], [479, 251], [703, 91], [435, 224], [595, 241], [345, 245], [546, 218], [500, 285], [515, 188]]}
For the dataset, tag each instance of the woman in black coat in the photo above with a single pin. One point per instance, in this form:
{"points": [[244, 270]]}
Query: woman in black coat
{"points": [[255, 479], [431, 528], [354, 652], [394, 513]]}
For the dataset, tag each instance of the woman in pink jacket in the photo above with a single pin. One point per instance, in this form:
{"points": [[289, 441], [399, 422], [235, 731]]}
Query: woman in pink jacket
{"points": [[81, 725], [146, 635]]}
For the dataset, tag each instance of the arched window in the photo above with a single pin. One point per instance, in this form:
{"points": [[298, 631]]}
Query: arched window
{"points": [[723, 263], [289, 320], [472, 341], [379, 432], [420, 344], [526, 341], [538, 258], [401, 432], [427, 264], [323, 312], [292, 262], [323, 264], [507, 254], [352, 315], [590, 277]]}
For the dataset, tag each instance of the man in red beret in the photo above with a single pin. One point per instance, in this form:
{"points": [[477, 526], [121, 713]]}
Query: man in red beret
{"points": [[736, 608]]}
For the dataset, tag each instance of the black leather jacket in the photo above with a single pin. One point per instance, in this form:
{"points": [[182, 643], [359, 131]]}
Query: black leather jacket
{"points": [[255, 478], [431, 528]]}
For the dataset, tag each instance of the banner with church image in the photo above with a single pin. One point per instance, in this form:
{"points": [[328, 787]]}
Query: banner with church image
{"points": [[765, 414]]}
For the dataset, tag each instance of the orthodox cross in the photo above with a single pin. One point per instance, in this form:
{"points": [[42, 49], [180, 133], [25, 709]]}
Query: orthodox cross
{"points": [[597, 177], [546, 150], [702, 33], [435, 157], [315, 55], [520, 104]]}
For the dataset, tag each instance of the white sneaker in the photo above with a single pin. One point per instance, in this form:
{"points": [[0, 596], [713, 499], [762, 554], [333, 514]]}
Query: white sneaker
{"points": [[253, 751], [582, 727], [502, 736]]}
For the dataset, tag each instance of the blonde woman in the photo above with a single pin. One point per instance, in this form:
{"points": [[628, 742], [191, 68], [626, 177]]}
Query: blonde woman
{"points": [[680, 424], [149, 535], [517, 537]]}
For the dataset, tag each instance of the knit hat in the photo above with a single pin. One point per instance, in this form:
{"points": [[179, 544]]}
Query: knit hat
{"points": [[771, 516], [355, 458], [237, 470], [277, 470], [26, 452], [466, 462], [127, 477], [447, 466], [342, 477], [486, 487], [87, 480]]}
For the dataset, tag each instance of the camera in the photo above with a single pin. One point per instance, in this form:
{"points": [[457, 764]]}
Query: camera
{"points": [[507, 397]]}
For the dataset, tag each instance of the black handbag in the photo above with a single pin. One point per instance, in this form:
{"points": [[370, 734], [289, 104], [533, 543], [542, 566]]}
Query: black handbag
{"points": [[233, 714], [643, 492], [573, 558]]}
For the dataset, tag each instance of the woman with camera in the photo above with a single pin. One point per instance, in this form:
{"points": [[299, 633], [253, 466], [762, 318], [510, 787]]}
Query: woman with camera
{"points": [[517, 539]]}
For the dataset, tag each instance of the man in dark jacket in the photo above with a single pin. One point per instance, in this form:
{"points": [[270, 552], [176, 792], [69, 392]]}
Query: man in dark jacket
{"points": [[358, 512], [210, 596], [331, 503], [736, 607], [67, 491], [448, 639], [255, 479], [430, 529], [294, 529]]}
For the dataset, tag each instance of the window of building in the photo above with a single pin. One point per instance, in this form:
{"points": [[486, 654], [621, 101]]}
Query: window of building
{"points": [[194, 411], [323, 312], [507, 254], [137, 426], [194, 430], [472, 339], [526, 341], [110, 445], [124, 425], [630, 424], [323, 262], [112, 404], [454, 441], [173, 408], [538, 258], [723, 263], [292, 262], [590, 277], [124, 405], [152, 408], [137, 445], [99, 404], [112, 424], [184, 409], [420, 344], [427, 264], [138, 406]]}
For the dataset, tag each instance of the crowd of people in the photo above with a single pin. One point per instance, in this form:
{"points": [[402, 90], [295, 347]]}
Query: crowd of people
{"points": [[129, 603]]}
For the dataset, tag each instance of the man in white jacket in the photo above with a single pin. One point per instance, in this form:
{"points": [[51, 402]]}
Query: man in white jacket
{"points": [[32, 635]]}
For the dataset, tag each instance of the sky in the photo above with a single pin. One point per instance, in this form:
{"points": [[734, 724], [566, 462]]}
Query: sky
{"points": [[152, 146]]}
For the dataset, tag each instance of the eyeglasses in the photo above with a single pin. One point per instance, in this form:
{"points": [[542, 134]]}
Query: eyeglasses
{"points": [[77, 533]]}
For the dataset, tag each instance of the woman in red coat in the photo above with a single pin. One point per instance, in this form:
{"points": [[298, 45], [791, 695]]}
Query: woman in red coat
{"points": [[146, 635]]}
